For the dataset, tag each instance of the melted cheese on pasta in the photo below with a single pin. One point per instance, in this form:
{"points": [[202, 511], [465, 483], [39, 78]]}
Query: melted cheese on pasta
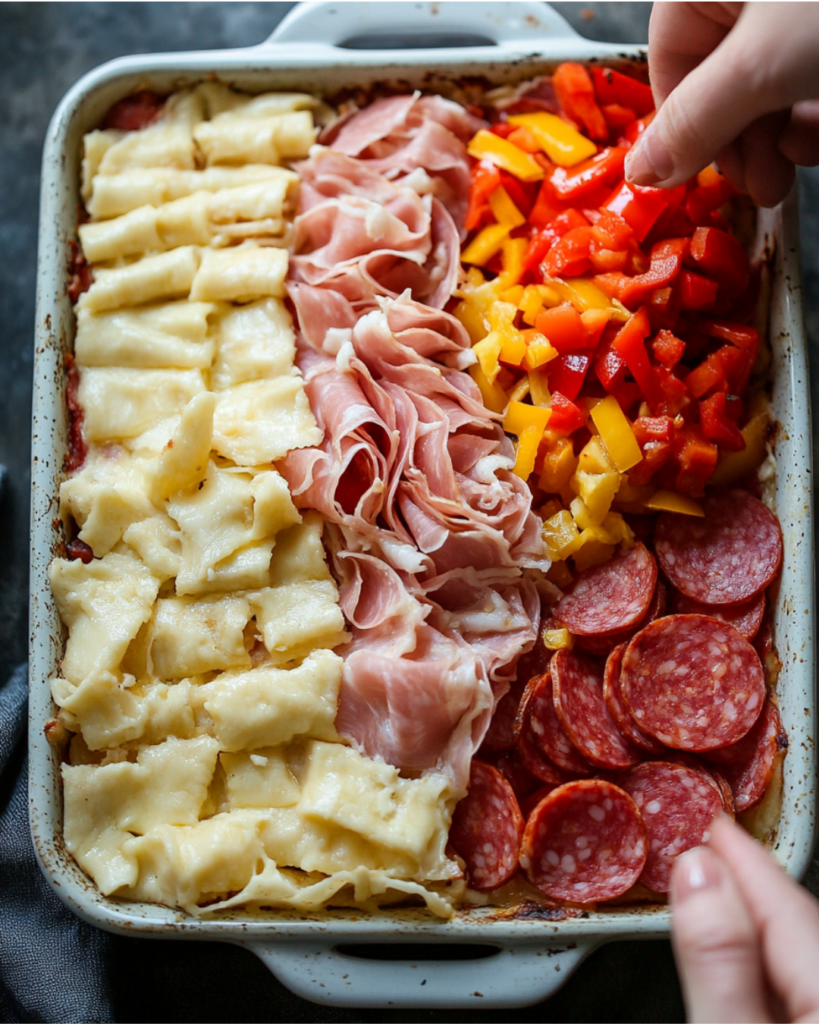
{"points": [[200, 678]]}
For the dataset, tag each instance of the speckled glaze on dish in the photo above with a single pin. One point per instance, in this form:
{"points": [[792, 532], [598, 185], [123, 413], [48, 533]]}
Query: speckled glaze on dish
{"points": [[526, 957]]}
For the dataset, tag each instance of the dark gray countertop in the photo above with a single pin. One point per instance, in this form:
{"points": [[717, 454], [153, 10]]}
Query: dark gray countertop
{"points": [[44, 49]]}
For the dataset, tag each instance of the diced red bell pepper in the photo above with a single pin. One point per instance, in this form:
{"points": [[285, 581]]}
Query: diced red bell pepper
{"points": [[666, 263], [603, 169], [641, 206], [611, 231], [630, 344], [502, 128], [575, 91], [612, 86], [569, 256], [695, 291], [628, 395], [656, 454], [547, 205], [522, 193], [741, 335], [675, 395], [697, 459], [564, 328], [721, 257], [668, 349], [707, 197], [618, 117], [567, 373], [610, 367], [636, 128], [612, 283], [663, 308], [485, 179], [566, 416], [717, 425], [718, 371], [653, 428], [608, 261]]}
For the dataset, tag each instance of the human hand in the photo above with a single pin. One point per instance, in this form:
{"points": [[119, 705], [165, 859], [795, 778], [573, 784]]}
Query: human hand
{"points": [[734, 82], [745, 936]]}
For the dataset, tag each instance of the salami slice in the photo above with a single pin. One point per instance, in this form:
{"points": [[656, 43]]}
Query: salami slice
{"points": [[692, 682], [745, 618], [606, 642], [549, 733], [612, 596], [728, 556], [725, 791], [519, 778], [500, 735], [581, 709], [748, 765], [532, 757], [584, 841], [531, 801], [487, 828], [678, 805], [611, 695]]}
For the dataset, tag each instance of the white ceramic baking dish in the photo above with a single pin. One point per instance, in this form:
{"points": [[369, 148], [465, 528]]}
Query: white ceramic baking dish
{"points": [[525, 958]]}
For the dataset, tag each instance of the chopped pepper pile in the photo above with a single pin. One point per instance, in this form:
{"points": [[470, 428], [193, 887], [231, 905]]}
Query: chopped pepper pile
{"points": [[610, 322]]}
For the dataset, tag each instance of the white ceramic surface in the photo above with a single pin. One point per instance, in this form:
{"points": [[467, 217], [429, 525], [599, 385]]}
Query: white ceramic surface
{"points": [[530, 957]]}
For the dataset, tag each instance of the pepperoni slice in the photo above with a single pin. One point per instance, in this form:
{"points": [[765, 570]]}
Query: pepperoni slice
{"points": [[531, 801], [606, 642], [549, 733], [500, 735], [725, 791], [487, 828], [611, 695], [584, 841], [728, 556], [678, 805], [581, 709], [745, 618], [692, 682], [749, 765], [521, 780], [531, 756], [610, 597]]}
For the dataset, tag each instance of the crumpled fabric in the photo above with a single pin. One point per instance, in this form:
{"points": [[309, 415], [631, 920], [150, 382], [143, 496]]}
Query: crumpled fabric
{"points": [[52, 964]]}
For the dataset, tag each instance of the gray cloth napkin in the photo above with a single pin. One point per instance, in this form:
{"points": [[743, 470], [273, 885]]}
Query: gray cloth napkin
{"points": [[52, 964]]}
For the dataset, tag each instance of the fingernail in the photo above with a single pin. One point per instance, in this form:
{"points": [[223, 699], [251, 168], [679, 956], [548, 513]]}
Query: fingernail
{"points": [[694, 871], [648, 161]]}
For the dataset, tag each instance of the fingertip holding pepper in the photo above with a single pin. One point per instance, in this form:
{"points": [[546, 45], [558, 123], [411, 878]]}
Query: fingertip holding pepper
{"points": [[648, 162]]}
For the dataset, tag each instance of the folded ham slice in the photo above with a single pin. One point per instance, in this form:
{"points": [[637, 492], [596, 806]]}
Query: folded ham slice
{"points": [[430, 529]]}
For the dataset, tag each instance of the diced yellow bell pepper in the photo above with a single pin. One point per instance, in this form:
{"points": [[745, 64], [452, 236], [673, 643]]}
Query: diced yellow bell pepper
{"points": [[563, 144], [514, 250], [582, 293], [488, 350], [559, 574], [734, 465], [513, 294], [520, 417], [580, 514], [485, 145], [597, 491], [485, 244], [494, 397], [592, 552], [539, 388], [594, 458], [535, 298], [615, 530], [559, 465], [616, 433], [550, 508], [527, 446], [557, 639], [520, 390], [513, 350], [561, 536], [501, 317], [504, 210], [670, 501], [539, 351]]}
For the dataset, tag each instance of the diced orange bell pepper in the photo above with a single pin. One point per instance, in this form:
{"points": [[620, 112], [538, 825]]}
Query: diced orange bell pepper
{"points": [[564, 328], [483, 182]]}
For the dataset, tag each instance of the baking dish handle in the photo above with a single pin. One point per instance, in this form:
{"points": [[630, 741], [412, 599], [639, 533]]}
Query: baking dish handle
{"points": [[513, 25], [519, 975]]}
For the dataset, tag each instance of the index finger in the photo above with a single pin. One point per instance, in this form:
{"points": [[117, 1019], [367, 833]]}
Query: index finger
{"points": [[786, 916]]}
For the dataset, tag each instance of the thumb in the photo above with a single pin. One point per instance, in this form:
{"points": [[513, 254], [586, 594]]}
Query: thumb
{"points": [[715, 943]]}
